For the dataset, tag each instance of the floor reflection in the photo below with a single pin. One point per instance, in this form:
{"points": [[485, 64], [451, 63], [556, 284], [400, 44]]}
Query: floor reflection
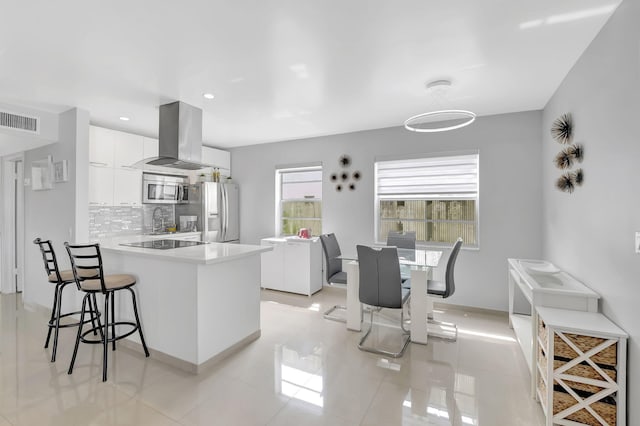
{"points": [[298, 373]]}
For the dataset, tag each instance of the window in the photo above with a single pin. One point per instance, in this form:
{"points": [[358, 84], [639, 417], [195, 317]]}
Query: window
{"points": [[299, 200], [437, 197]]}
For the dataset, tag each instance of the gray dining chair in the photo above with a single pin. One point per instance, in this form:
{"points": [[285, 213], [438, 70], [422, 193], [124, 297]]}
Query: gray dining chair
{"points": [[335, 274], [380, 287], [446, 289], [405, 240]]}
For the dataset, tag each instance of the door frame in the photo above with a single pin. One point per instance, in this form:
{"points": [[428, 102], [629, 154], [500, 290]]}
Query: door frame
{"points": [[12, 210]]}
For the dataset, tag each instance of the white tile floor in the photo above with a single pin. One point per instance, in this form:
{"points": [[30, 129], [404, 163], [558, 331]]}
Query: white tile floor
{"points": [[304, 370]]}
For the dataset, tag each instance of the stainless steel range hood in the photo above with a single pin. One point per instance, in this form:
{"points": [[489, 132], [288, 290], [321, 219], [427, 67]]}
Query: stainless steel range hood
{"points": [[180, 134]]}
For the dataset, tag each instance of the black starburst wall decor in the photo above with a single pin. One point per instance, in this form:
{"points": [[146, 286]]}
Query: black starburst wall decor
{"points": [[566, 183], [562, 131], [562, 128], [342, 178]]}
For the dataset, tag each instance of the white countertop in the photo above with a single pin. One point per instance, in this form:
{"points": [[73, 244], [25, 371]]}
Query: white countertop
{"points": [[202, 254], [294, 239]]}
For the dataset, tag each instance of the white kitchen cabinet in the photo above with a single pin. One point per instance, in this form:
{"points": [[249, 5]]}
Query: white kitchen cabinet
{"points": [[118, 184], [128, 149], [272, 263], [217, 158], [294, 265], [150, 147], [100, 185], [101, 146], [127, 187]]}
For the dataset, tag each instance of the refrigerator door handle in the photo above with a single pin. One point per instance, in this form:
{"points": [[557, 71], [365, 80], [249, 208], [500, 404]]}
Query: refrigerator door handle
{"points": [[226, 211], [223, 213]]}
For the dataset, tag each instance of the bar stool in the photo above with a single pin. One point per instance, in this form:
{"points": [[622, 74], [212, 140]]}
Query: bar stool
{"points": [[86, 257], [61, 279]]}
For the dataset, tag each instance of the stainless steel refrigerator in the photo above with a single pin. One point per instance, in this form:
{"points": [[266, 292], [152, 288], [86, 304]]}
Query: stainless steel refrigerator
{"points": [[216, 207]]}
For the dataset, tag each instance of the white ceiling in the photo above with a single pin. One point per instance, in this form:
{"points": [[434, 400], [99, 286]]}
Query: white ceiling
{"points": [[288, 69]]}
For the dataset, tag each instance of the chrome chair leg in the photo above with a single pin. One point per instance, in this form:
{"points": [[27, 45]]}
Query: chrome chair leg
{"points": [[327, 314], [398, 354]]}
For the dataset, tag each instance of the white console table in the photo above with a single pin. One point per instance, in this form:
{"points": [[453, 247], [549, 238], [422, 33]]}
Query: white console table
{"points": [[542, 284]]}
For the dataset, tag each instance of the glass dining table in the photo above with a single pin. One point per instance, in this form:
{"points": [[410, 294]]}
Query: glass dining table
{"points": [[418, 264]]}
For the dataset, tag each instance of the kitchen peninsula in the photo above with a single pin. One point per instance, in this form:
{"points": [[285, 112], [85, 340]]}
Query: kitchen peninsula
{"points": [[197, 303]]}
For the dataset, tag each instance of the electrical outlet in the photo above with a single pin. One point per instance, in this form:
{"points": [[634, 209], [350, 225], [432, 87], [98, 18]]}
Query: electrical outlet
{"points": [[638, 242]]}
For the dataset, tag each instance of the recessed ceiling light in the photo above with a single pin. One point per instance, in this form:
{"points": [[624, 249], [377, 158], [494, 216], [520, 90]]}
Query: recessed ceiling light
{"points": [[123, 118], [208, 96]]}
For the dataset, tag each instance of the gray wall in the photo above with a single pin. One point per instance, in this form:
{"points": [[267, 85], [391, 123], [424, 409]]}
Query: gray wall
{"points": [[510, 192], [59, 214], [590, 233]]}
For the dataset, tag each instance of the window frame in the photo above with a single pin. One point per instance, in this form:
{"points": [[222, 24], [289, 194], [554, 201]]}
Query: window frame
{"points": [[377, 199], [282, 170]]}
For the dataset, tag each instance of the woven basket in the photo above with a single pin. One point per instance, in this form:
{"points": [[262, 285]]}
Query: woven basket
{"points": [[542, 362], [608, 356], [562, 401], [586, 371], [542, 333]]}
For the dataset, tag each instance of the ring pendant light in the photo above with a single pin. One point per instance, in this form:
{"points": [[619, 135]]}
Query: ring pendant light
{"points": [[453, 114], [449, 119]]}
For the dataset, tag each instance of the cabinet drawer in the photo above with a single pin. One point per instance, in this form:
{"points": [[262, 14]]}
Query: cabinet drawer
{"points": [[608, 356]]}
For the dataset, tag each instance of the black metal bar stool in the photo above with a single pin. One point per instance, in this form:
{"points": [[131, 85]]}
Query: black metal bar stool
{"points": [[87, 257], [61, 279]]}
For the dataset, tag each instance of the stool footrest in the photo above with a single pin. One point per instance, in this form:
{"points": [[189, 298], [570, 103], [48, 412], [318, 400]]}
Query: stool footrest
{"points": [[109, 339], [93, 317]]}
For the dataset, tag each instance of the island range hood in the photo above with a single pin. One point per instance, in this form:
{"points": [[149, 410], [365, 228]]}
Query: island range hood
{"points": [[180, 135]]}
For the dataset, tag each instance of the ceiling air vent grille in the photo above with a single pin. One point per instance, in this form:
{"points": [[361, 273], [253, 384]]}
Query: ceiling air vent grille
{"points": [[19, 122]]}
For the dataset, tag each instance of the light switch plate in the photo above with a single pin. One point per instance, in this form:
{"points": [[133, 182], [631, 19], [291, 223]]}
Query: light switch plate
{"points": [[638, 242]]}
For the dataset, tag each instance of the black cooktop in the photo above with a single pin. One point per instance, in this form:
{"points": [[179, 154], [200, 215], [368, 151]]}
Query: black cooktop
{"points": [[163, 244]]}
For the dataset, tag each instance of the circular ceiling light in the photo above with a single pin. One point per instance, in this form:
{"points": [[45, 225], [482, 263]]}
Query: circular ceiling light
{"points": [[439, 121], [123, 118], [208, 96]]}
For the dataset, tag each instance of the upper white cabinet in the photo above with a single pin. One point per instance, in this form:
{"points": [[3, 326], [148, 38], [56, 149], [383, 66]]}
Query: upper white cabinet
{"points": [[101, 146], [127, 187], [150, 147], [128, 149], [100, 185], [112, 180], [217, 158]]}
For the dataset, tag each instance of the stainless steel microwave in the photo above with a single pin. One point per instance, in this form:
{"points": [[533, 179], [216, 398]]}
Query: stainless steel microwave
{"points": [[164, 189]]}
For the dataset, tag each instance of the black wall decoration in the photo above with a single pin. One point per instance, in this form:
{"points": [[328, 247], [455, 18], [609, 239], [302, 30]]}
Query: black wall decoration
{"points": [[562, 132], [345, 162], [562, 128]]}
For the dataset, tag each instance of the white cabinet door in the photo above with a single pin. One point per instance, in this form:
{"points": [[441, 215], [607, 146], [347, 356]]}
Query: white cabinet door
{"points": [[127, 187], [296, 267], [100, 186], [217, 158], [128, 149], [150, 147], [101, 146], [272, 263]]}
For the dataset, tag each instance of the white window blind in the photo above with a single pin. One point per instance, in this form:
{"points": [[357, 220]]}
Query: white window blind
{"points": [[445, 177]]}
